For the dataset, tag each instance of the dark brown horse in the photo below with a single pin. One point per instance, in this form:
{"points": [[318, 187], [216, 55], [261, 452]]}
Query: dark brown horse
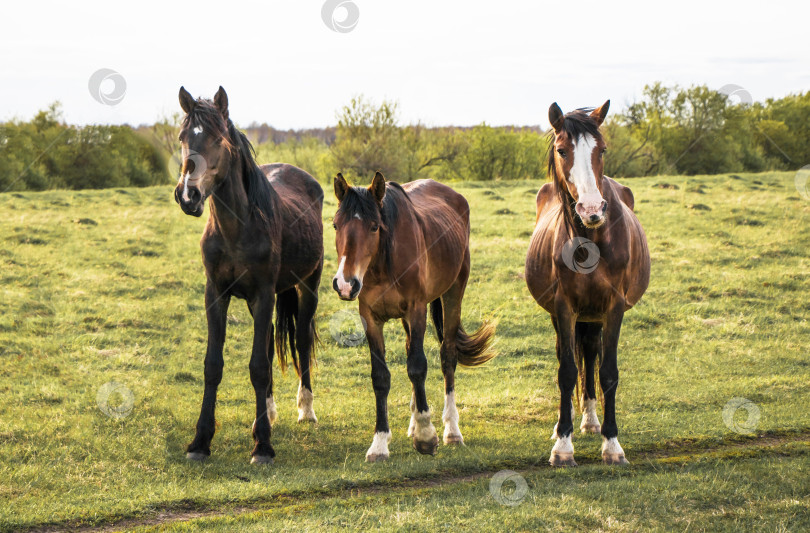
{"points": [[264, 243], [587, 264], [402, 248]]}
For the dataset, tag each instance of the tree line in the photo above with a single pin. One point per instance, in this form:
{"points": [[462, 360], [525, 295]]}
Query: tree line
{"points": [[670, 130]]}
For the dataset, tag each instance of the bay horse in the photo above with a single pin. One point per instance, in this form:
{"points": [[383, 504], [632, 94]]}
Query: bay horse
{"points": [[402, 247], [587, 264], [264, 243]]}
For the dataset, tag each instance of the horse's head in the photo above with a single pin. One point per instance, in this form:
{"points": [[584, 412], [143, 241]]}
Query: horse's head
{"points": [[575, 159], [358, 225], [206, 149]]}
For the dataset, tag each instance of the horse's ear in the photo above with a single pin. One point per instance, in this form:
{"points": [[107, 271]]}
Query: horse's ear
{"points": [[187, 102], [341, 187], [600, 113], [377, 187], [556, 117], [221, 102]]}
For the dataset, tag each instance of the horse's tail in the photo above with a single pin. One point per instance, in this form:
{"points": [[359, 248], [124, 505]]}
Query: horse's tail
{"points": [[471, 350], [286, 316]]}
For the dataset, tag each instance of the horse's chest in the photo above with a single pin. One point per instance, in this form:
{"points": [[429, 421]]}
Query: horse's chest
{"points": [[238, 269]]}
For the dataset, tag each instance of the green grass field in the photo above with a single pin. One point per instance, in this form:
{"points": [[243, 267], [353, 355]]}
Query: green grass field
{"points": [[104, 287]]}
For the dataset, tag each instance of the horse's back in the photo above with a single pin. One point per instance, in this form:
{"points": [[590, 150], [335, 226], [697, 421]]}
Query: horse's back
{"points": [[301, 198], [444, 218], [291, 182], [432, 199]]}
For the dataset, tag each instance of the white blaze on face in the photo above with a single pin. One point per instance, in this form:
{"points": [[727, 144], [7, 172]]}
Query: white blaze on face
{"points": [[344, 287], [197, 130], [582, 176], [185, 186]]}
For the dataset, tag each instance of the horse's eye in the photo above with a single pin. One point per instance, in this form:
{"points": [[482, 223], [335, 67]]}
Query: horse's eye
{"points": [[561, 152], [334, 225], [374, 228], [604, 150]]}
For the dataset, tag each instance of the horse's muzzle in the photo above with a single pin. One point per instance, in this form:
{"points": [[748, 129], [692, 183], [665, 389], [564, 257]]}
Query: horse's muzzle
{"points": [[347, 291]]}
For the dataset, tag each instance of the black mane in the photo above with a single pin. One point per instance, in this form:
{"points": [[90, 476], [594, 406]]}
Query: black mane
{"points": [[361, 201], [259, 191]]}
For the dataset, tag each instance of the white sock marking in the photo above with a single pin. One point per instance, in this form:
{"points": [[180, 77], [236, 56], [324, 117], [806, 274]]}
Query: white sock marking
{"points": [[379, 446], [450, 418], [423, 430], [305, 400], [589, 417]]}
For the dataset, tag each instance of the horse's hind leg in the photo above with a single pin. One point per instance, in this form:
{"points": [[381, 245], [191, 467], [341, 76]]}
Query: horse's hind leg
{"points": [[305, 340], [451, 316], [589, 339]]}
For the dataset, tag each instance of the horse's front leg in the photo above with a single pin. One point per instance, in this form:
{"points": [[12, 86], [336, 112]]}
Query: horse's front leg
{"points": [[562, 454], [381, 381], [216, 305], [425, 439], [612, 452], [260, 377]]}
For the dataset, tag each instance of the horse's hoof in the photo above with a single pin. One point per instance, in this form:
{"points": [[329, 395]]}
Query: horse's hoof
{"points": [[590, 428], [562, 459], [430, 447], [196, 456], [376, 457], [261, 460], [454, 439], [614, 459], [307, 419]]}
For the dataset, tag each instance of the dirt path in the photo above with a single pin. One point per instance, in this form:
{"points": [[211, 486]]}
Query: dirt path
{"points": [[684, 451]]}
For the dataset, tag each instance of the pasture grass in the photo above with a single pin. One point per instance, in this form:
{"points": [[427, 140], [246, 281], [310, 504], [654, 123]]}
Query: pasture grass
{"points": [[101, 287]]}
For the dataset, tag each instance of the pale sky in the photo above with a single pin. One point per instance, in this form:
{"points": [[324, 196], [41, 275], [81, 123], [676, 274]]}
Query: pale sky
{"points": [[445, 61]]}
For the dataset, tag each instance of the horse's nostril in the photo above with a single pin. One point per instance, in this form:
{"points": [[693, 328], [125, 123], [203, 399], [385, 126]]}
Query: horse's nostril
{"points": [[194, 195], [335, 284]]}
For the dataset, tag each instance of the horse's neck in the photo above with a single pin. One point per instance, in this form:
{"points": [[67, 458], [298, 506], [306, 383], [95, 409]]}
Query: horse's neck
{"points": [[230, 209]]}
